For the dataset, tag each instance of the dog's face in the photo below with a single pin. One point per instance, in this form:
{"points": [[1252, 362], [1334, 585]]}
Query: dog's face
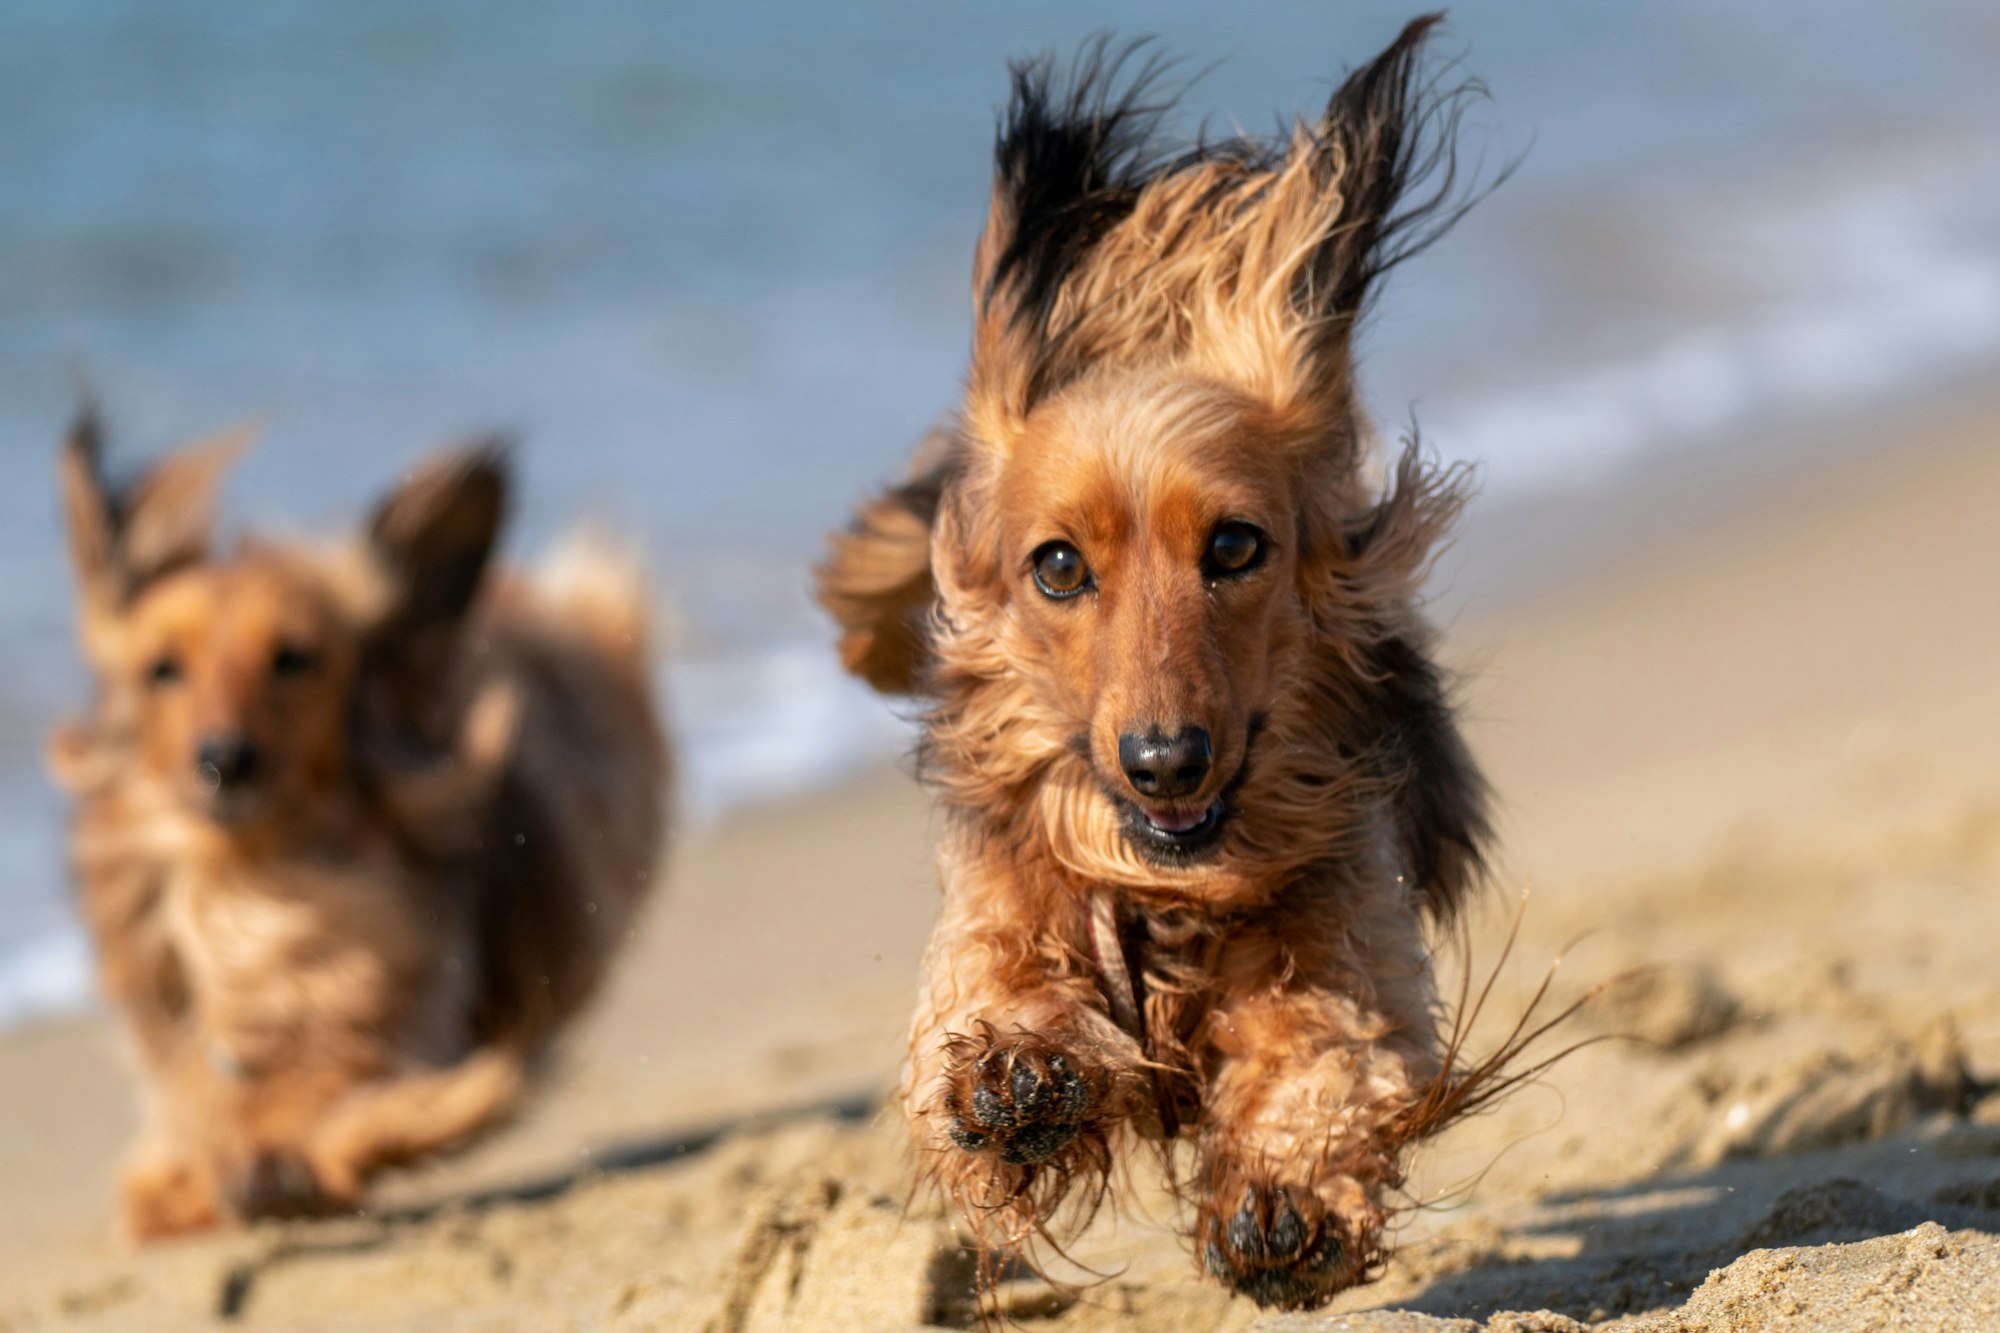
{"points": [[1169, 591], [242, 686], [1150, 547], [242, 676]]}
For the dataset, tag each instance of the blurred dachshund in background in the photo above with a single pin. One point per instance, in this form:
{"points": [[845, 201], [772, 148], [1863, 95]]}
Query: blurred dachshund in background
{"points": [[357, 829], [1204, 782]]}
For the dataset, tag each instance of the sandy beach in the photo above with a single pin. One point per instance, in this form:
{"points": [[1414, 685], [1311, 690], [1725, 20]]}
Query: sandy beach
{"points": [[1743, 721]]}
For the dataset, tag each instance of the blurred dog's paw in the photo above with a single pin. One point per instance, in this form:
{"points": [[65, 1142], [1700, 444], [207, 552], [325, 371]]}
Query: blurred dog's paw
{"points": [[278, 1183], [166, 1197]]}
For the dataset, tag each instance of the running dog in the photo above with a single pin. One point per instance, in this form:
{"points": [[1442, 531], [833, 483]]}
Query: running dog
{"points": [[357, 829], [1205, 787]]}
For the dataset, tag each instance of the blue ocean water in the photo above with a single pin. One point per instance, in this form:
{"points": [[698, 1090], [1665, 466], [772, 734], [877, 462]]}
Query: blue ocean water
{"points": [[710, 261]]}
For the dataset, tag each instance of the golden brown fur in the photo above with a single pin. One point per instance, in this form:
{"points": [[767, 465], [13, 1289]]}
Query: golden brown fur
{"points": [[1161, 364], [356, 829]]}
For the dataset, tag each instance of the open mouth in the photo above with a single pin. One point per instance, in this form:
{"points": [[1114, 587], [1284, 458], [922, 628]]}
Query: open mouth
{"points": [[1177, 835]]}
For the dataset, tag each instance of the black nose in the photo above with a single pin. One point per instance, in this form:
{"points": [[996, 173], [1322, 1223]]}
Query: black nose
{"points": [[1157, 766], [225, 762]]}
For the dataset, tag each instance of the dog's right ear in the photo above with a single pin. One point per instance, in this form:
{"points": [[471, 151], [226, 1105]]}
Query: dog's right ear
{"points": [[124, 537]]}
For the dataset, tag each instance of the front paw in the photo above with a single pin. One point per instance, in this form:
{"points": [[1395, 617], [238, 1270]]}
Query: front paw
{"points": [[1278, 1245], [279, 1183], [1023, 1100], [164, 1197]]}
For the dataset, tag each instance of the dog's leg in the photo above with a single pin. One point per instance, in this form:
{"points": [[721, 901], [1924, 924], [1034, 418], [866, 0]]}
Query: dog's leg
{"points": [[304, 1143], [253, 1124], [1017, 1078], [168, 1185], [403, 1119], [1322, 1039]]}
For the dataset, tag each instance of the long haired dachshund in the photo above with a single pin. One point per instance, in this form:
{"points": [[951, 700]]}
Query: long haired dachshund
{"points": [[1204, 784], [357, 829]]}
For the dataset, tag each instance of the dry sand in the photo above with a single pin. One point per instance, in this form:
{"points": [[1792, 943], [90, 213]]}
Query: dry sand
{"points": [[1753, 753]]}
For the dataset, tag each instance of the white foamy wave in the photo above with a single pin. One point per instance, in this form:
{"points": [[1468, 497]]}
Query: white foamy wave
{"points": [[46, 975], [1880, 295], [786, 721]]}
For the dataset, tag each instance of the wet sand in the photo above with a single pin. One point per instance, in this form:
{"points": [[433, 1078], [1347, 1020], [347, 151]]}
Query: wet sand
{"points": [[1744, 728]]}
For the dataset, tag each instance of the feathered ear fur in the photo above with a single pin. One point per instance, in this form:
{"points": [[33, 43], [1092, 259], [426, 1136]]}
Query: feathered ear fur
{"points": [[428, 548], [435, 533], [1245, 260], [876, 579], [123, 537]]}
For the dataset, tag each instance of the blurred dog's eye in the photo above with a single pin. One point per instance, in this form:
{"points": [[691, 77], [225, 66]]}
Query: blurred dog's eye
{"points": [[1060, 571], [290, 661], [164, 670], [1236, 548]]}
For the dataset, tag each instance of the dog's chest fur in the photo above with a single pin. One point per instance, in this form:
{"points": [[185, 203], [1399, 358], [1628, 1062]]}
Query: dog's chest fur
{"points": [[349, 961]]}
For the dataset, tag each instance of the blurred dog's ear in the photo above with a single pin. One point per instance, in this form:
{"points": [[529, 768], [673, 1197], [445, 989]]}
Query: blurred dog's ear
{"points": [[428, 547], [433, 537], [89, 504], [124, 537]]}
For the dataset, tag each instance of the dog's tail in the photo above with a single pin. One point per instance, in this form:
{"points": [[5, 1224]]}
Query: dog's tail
{"points": [[599, 584], [402, 1120]]}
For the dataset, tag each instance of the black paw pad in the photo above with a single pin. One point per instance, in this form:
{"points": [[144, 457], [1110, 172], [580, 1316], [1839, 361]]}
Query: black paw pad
{"points": [[1271, 1254], [1025, 1106], [276, 1184]]}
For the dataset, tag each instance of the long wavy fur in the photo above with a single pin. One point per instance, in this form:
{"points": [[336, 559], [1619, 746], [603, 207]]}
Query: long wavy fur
{"points": [[1222, 281]]}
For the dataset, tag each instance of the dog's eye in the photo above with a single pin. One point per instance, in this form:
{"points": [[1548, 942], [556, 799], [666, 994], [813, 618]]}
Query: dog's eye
{"points": [[1236, 548], [163, 670], [290, 661], [1059, 570]]}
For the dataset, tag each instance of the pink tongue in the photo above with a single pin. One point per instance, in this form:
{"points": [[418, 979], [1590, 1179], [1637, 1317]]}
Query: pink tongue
{"points": [[1169, 821]]}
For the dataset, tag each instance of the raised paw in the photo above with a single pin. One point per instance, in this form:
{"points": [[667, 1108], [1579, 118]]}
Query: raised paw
{"points": [[1023, 1101], [1277, 1246]]}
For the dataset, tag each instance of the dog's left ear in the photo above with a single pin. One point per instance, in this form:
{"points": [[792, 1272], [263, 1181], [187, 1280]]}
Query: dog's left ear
{"points": [[433, 537], [1372, 183], [1386, 134], [427, 550]]}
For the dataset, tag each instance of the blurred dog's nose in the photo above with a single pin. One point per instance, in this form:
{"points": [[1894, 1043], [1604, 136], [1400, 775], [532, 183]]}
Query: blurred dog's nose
{"points": [[225, 762], [1156, 765]]}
